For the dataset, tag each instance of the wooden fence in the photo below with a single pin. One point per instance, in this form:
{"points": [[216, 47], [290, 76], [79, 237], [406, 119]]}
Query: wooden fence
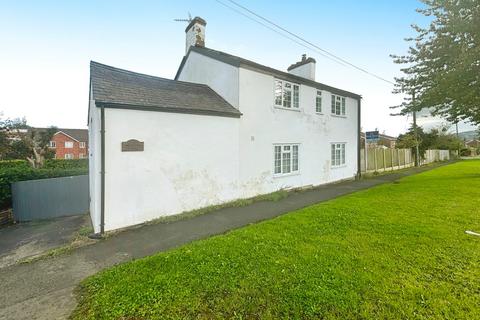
{"points": [[389, 159]]}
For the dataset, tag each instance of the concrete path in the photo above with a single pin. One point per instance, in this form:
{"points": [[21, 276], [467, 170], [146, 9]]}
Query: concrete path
{"points": [[29, 239], [44, 289]]}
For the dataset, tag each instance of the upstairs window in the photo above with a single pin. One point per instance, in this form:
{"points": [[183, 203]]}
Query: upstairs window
{"points": [[338, 105], [287, 95], [52, 144], [68, 144], [318, 102], [285, 159], [338, 154], [82, 144]]}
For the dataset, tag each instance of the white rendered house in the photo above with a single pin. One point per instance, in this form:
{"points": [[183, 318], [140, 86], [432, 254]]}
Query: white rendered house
{"points": [[225, 128]]}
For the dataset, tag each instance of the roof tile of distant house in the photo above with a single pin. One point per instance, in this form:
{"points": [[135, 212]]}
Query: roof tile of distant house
{"points": [[78, 134], [113, 87], [248, 64]]}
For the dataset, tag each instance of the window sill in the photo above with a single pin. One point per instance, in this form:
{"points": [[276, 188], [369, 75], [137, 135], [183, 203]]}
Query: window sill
{"points": [[339, 167], [319, 113], [279, 175], [338, 116], [289, 109]]}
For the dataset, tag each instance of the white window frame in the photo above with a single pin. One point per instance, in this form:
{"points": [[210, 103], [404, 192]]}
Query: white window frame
{"points": [[318, 102], [68, 156], [286, 159], [81, 144], [81, 156], [283, 90], [52, 144], [338, 152], [68, 144], [338, 105]]}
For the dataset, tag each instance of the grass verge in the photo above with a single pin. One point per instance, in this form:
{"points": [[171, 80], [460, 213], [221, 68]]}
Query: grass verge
{"points": [[396, 251]]}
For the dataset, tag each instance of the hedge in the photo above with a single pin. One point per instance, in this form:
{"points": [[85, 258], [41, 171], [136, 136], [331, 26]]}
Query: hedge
{"points": [[19, 170]]}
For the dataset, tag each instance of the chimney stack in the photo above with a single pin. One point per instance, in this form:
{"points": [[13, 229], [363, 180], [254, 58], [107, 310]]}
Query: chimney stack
{"points": [[195, 33], [305, 68]]}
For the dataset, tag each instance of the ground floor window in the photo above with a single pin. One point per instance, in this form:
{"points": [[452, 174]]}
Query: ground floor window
{"points": [[338, 154], [68, 156], [285, 158]]}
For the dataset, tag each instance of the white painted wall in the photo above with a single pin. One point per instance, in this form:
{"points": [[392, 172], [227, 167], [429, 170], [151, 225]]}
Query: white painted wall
{"points": [[189, 162], [218, 75], [263, 125], [94, 164]]}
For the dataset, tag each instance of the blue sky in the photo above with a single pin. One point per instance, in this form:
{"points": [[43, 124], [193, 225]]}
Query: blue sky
{"points": [[47, 46]]}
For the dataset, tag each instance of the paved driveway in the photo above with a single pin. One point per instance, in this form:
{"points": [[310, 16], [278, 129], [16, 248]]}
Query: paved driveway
{"points": [[25, 240]]}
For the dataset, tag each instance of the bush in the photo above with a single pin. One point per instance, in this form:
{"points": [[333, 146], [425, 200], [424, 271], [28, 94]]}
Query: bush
{"points": [[66, 164], [11, 164], [465, 152], [18, 172]]}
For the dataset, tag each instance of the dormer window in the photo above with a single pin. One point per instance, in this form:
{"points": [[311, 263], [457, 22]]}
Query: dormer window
{"points": [[338, 105], [287, 94]]}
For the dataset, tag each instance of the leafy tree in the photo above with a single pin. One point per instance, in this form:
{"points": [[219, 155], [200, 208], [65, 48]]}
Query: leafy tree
{"points": [[438, 138], [9, 134], [30, 144], [38, 141], [442, 67]]}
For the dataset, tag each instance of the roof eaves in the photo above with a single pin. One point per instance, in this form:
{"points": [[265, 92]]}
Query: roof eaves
{"points": [[152, 108]]}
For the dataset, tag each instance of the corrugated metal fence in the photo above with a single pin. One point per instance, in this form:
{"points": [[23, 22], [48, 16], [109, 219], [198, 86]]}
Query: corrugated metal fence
{"points": [[386, 159], [50, 198]]}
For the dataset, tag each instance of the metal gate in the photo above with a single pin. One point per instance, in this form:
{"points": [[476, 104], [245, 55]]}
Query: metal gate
{"points": [[50, 198]]}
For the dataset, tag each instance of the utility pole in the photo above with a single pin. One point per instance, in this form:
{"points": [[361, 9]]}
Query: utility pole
{"points": [[417, 152]]}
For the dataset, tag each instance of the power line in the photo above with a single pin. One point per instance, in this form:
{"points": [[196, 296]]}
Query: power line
{"points": [[278, 32], [304, 40]]}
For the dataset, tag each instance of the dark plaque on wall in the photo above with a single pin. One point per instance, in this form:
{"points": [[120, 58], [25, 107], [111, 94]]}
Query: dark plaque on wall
{"points": [[132, 145]]}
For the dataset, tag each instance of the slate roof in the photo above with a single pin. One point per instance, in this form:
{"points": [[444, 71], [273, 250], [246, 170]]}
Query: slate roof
{"points": [[248, 64], [113, 87]]}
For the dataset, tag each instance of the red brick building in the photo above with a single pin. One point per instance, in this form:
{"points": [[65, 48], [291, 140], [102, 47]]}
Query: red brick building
{"points": [[70, 144]]}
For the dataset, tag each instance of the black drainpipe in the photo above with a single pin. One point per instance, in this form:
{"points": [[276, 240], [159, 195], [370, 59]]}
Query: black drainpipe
{"points": [[359, 159], [102, 170]]}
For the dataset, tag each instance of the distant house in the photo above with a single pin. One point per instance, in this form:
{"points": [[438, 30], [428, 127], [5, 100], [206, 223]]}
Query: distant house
{"points": [[474, 143], [70, 144]]}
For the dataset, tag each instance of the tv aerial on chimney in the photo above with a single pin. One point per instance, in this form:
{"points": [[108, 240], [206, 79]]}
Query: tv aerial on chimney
{"points": [[185, 20]]}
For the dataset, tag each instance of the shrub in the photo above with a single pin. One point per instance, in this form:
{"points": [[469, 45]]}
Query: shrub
{"points": [[465, 152], [66, 164]]}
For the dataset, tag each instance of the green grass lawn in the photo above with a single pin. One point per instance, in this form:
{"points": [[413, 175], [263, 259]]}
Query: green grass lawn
{"points": [[397, 251]]}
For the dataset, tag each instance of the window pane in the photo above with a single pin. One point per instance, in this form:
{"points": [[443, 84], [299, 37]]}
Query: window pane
{"points": [[343, 106], [333, 103], [337, 156], [278, 159], [296, 96], [333, 155], [286, 162], [343, 153], [287, 95], [294, 158], [318, 104], [278, 92]]}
